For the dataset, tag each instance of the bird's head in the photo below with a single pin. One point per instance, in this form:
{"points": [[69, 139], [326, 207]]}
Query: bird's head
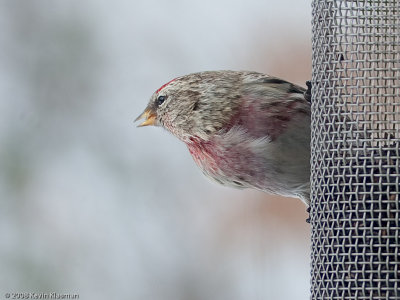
{"points": [[194, 106]]}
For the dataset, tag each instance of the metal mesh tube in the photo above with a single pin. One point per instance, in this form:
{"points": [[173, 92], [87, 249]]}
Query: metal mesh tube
{"points": [[355, 206]]}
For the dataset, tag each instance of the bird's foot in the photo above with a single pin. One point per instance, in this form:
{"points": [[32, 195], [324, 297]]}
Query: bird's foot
{"points": [[308, 209], [307, 94]]}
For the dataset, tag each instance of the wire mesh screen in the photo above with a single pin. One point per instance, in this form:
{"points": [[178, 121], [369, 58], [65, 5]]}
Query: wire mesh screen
{"points": [[355, 207]]}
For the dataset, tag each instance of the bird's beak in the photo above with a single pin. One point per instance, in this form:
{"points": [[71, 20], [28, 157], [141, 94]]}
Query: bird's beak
{"points": [[149, 117]]}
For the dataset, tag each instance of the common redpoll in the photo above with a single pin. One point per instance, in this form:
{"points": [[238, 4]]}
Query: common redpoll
{"points": [[243, 129]]}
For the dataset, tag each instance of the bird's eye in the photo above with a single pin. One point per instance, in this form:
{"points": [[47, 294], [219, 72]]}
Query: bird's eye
{"points": [[161, 99]]}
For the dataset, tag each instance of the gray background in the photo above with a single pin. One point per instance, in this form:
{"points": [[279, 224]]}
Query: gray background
{"points": [[92, 205]]}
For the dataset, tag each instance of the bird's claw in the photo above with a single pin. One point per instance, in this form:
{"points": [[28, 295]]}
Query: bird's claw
{"points": [[308, 220], [307, 94]]}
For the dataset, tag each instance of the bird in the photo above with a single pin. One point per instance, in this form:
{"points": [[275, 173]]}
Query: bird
{"points": [[243, 129]]}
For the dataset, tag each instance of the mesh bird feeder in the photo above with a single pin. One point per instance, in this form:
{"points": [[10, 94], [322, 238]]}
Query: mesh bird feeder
{"points": [[355, 206]]}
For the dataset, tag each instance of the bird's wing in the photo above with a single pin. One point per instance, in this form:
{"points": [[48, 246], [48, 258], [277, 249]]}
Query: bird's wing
{"points": [[270, 105]]}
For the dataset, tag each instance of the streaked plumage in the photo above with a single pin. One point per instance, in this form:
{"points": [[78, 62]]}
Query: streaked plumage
{"points": [[243, 129]]}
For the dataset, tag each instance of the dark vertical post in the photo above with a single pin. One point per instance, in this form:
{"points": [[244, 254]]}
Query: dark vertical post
{"points": [[355, 206]]}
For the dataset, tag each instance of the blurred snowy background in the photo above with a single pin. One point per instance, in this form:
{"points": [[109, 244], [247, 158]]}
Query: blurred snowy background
{"points": [[92, 205]]}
